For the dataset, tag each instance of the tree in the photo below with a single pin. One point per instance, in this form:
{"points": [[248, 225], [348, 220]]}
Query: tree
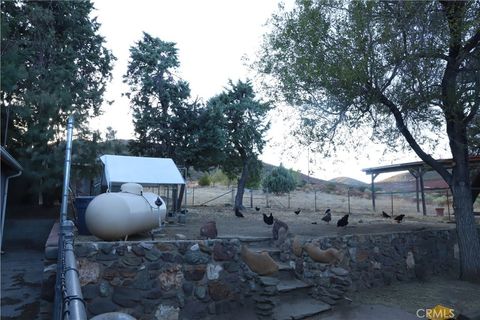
{"points": [[280, 180], [405, 69], [54, 64], [243, 126], [158, 98]]}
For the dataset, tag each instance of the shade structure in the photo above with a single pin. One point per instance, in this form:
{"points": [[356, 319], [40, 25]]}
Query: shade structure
{"points": [[143, 170]]}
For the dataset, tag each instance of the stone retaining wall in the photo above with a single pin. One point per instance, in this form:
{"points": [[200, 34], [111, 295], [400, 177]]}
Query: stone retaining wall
{"points": [[191, 279], [377, 260], [163, 280]]}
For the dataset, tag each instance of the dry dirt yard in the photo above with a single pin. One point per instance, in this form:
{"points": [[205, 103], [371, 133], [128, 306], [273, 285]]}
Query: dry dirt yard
{"points": [[252, 224]]}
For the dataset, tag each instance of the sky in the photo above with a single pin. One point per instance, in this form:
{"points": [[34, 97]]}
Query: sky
{"points": [[213, 37]]}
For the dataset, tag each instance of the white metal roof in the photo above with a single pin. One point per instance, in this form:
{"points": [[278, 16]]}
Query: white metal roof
{"points": [[143, 170]]}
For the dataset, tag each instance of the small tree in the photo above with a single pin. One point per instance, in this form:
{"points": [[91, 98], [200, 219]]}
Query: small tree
{"points": [[280, 180], [243, 127]]}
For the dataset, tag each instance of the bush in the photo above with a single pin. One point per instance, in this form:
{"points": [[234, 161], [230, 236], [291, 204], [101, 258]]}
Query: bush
{"points": [[204, 181], [280, 180], [219, 177]]}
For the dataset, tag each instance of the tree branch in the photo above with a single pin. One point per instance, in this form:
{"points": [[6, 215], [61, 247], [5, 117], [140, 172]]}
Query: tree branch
{"points": [[408, 136]]}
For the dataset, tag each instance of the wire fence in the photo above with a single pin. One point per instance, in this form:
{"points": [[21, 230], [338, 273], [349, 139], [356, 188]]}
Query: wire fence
{"points": [[438, 201]]}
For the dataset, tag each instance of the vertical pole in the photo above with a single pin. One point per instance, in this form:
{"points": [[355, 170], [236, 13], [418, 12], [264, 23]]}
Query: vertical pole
{"points": [[289, 200], [417, 193], [373, 190], [251, 198], [233, 198], [422, 190], [266, 199], [315, 200], [185, 195], [193, 196], [66, 171], [391, 202], [448, 205], [348, 195]]}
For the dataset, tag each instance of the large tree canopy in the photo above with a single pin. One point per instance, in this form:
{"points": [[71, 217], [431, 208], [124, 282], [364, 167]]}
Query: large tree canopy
{"points": [[241, 117], [53, 64], [157, 96], [405, 69]]}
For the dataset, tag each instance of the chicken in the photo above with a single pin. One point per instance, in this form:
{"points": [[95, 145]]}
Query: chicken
{"points": [[343, 221], [399, 218], [268, 219], [385, 215], [238, 213], [328, 216]]}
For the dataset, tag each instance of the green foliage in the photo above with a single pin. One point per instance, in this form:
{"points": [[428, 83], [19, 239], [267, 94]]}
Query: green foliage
{"points": [[241, 118], [166, 122], [156, 97], [53, 64], [279, 181], [205, 180], [376, 66], [218, 177]]}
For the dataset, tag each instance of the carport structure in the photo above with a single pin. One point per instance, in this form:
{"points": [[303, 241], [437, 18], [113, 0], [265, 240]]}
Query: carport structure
{"points": [[147, 171], [417, 170]]}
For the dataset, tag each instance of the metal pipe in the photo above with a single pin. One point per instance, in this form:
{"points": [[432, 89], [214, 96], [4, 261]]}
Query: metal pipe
{"points": [[73, 300], [66, 171]]}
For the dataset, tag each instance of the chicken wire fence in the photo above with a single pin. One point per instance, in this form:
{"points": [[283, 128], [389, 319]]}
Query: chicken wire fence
{"points": [[438, 201]]}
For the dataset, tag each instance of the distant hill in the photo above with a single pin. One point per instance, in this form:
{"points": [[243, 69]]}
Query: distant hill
{"points": [[349, 182], [406, 182]]}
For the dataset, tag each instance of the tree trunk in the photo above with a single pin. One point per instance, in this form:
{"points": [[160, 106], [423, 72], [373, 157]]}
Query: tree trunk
{"points": [[241, 187], [467, 232]]}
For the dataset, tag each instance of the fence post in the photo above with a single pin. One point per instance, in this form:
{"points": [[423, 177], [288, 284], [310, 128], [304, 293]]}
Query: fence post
{"points": [[315, 200], [348, 194], [233, 198], [251, 198], [266, 199], [391, 201], [193, 196], [289, 200]]}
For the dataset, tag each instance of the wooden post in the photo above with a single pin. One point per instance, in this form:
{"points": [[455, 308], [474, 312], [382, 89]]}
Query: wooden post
{"points": [[348, 195], [251, 198], [289, 200], [448, 205], [391, 202], [422, 190], [374, 175], [193, 196]]}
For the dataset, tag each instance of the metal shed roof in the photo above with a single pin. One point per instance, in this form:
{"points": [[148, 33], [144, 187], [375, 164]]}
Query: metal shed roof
{"points": [[144, 170]]}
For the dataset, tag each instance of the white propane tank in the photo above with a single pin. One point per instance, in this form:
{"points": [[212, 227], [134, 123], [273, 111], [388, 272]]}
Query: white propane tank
{"points": [[114, 215]]}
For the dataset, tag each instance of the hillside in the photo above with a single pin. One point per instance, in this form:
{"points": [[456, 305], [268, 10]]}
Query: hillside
{"points": [[349, 181]]}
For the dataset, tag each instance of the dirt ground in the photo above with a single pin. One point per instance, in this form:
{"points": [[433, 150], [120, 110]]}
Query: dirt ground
{"points": [[252, 224]]}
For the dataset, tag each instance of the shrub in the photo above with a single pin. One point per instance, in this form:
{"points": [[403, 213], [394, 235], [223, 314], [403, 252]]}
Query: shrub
{"points": [[204, 181], [280, 180], [219, 177]]}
